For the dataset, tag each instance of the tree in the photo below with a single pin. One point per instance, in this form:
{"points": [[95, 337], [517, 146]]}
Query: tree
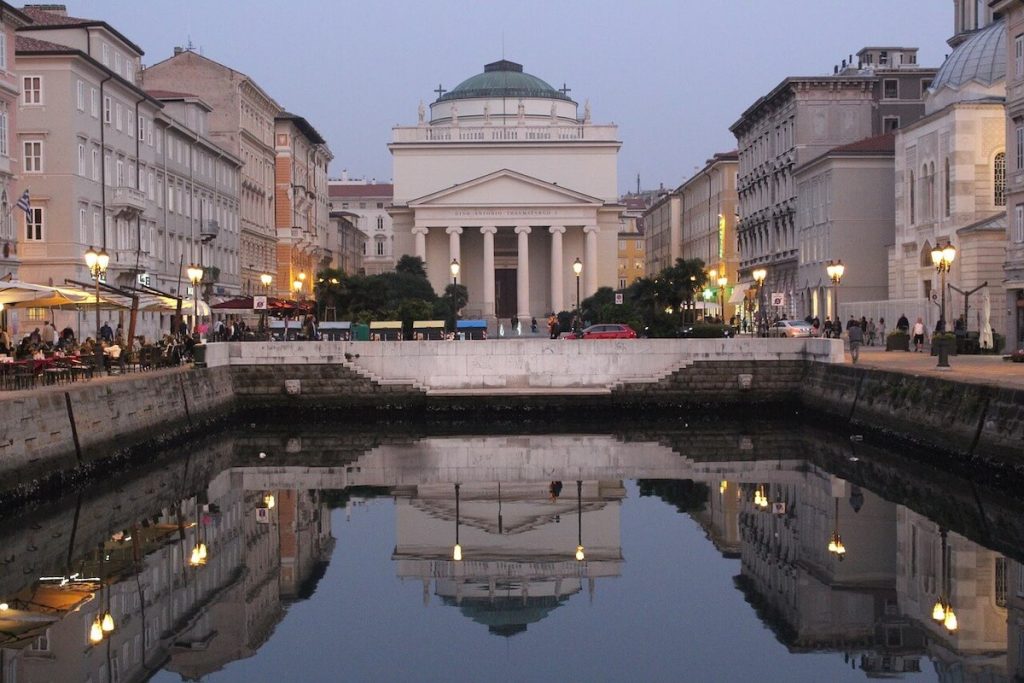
{"points": [[411, 265]]}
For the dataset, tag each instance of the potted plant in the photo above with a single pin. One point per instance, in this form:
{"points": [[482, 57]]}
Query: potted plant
{"points": [[945, 340], [897, 340]]}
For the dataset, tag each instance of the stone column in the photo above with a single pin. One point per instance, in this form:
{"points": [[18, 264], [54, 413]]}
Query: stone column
{"points": [[557, 268], [590, 260], [420, 233], [523, 275], [488, 232], [454, 247]]}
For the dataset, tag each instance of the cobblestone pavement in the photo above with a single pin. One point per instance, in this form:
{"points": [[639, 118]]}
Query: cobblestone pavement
{"points": [[976, 369]]}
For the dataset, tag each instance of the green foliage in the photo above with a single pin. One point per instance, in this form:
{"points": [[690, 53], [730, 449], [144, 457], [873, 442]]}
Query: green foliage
{"points": [[364, 298], [411, 265], [410, 310]]}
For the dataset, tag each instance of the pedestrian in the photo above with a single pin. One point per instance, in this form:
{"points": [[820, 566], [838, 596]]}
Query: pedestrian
{"points": [[553, 325], [106, 333], [880, 329], [851, 322], [871, 332], [919, 335], [533, 326], [856, 336], [554, 490], [903, 325], [828, 327]]}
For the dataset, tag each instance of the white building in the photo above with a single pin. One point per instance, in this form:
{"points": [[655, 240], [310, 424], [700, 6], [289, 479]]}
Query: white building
{"points": [[509, 179], [368, 201]]}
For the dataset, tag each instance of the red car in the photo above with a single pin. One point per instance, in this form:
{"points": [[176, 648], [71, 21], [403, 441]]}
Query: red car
{"points": [[609, 331]]}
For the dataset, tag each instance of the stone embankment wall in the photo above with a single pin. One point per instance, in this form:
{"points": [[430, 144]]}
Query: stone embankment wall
{"points": [[66, 426], [971, 420]]}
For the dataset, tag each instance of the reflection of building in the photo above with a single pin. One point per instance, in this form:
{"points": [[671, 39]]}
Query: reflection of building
{"points": [[971, 579], [517, 546]]}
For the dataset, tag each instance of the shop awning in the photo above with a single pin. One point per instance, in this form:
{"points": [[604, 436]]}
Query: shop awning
{"points": [[739, 293]]}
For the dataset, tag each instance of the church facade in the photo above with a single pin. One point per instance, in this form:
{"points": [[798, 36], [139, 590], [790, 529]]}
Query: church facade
{"points": [[506, 177]]}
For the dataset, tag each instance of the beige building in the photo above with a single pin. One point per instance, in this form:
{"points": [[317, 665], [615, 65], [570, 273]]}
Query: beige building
{"points": [[368, 202], [508, 177], [100, 155], [1013, 266], [350, 243], [800, 119], [845, 212], [663, 232], [10, 89], [242, 122], [301, 207], [951, 188]]}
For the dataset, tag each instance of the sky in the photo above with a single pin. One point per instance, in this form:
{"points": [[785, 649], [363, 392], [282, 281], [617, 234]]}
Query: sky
{"points": [[673, 74]]}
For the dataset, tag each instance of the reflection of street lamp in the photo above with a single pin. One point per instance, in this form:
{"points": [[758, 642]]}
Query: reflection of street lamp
{"points": [[455, 271], [835, 270], [96, 262], [942, 259], [835, 541], [579, 521], [943, 612], [759, 276], [457, 550]]}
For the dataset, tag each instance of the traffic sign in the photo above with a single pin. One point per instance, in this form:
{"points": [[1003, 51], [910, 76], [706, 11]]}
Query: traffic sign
{"points": [[259, 303], [778, 299]]}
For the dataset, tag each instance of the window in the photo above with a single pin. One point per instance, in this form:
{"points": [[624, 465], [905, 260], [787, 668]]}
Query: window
{"points": [[622, 283], [947, 190], [32, 90], [34, 224], [1018, 234], [380, 248], [890, 89], [80, 96], [97, 235], [106, 110], [118, 118], [120, 173], [106, 54], [94, 102], [1018, 57], [130, 123], [999, 179], [96, 164], [170, 198], [380, 205], [83, 227], [4, 151], [33, 156], [883, 57], [142, 128], [107, 167], [380, 222], [925, 84], [3, 51], [81, 159]]}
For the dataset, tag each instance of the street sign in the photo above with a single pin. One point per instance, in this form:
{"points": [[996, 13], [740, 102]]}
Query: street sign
{"points": [[779, 508], [144, 279], [259, 303], [618, 297], [778, 299], [263, 515]]}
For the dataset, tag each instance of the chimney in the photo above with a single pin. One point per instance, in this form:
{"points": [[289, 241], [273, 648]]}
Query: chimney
{"points": [[835, 69], [178, 50], [59, 10]]}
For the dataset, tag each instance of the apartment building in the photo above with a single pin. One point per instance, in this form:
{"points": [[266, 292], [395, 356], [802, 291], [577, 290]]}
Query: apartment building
{"points": [[368, 200], [10, 21]]}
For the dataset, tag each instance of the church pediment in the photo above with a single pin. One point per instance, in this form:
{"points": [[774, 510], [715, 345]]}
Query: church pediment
{"points": [[505, 188]]}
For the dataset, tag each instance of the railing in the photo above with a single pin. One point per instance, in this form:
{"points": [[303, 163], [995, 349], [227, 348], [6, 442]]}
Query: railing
{"points": [[524, 133], [128, 198]]}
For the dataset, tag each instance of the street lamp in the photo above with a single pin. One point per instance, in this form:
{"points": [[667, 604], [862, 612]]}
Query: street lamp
{"points": [[722, 282], [265, 280], [297, 286], [97, 262], [577, 267], [943, 612], [454, 267], [195, 276], [759, 276], [580, 556], [942, 259], [835, 541], [835, 270]]}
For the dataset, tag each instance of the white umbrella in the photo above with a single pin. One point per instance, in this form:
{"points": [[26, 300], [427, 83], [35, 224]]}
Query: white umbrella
{"points": [[985, 336], [17, 291]]}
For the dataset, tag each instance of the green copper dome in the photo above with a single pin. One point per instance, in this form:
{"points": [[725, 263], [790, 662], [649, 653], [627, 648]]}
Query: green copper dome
{"points": [[503, 79]]}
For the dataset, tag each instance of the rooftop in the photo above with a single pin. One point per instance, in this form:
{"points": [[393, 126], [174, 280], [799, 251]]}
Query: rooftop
{"points": [[361, 190], [56, 16], [503, 79], [885, 143]]}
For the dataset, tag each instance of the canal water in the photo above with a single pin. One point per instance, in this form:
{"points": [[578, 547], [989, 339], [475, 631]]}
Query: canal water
{"points": [[703, 552]]}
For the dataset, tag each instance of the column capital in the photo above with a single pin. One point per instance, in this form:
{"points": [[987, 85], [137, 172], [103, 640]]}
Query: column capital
{"points": [[522, 229], [560, 229], [591, 229], [453, 230], [419, 230], [488, 230]]}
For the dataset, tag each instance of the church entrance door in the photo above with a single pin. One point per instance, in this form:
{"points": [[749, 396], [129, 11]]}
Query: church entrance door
{"points": [[505, 293]]}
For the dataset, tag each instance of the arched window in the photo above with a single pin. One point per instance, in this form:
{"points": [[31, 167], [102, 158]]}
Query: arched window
{"points": [[913, 217], [947, 187], [926, 254], [999, 179], [931, 190]]}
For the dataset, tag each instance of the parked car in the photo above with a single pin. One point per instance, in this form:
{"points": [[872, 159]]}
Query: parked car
{"points": [[790, 328], [705, 331], [608, 331]]}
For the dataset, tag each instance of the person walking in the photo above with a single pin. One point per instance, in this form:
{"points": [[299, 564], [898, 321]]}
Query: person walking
{"points": [[919, 335], [903, 325], [856, 336], [880, 329], [871, 332]]}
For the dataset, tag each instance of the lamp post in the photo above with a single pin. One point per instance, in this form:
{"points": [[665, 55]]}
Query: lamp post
{"points": [[835, 270], [835, 541], [759, 276], [577, 267], [580, 555], [943, 612], [97, 262], [454, 267], [265, 280], [942, 259], [722, 282], [195, 276]]}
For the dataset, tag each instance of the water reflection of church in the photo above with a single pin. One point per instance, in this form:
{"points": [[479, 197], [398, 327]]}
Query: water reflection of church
{"points": [[518, 546]]}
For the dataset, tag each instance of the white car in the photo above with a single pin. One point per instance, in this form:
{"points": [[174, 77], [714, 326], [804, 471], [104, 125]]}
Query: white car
{"points": [[790, 328]]}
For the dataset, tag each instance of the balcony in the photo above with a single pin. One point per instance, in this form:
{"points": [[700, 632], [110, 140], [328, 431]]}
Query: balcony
{"points": [[127, 202]]}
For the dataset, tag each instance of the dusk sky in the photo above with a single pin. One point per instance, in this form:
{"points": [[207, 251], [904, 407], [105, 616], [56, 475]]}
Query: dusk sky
{"points": [[673, 75]]}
